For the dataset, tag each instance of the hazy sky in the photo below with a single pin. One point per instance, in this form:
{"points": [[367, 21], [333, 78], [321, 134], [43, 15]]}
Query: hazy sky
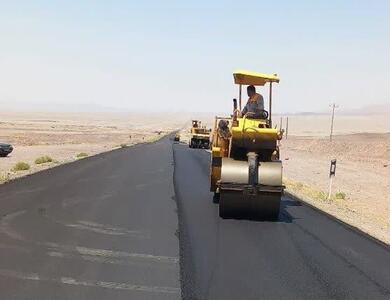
{"points": [[179, 55]]}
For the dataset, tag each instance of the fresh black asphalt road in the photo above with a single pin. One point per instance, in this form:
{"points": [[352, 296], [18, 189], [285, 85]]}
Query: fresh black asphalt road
{"points": [[104, 227], [107, 227], [305, 255]]}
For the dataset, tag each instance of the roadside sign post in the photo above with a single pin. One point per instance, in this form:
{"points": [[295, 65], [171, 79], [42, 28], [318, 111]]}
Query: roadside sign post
{"points": [[332, 173]]}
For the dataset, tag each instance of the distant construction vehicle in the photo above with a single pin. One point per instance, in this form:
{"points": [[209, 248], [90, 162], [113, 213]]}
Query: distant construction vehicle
{"points": [[200, 135], [246, 173], [177, 137]]}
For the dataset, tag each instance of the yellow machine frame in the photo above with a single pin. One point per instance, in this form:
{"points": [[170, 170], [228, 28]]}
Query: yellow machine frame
{"points": [[246, 130], [240, 137]]}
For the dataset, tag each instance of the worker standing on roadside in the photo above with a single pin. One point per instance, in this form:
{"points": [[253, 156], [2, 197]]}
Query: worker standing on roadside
{"points": [[255, 104]]}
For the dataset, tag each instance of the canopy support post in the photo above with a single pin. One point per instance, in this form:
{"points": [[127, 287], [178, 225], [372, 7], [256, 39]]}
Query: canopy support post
{"points": [[239, 98], [270, 104]]}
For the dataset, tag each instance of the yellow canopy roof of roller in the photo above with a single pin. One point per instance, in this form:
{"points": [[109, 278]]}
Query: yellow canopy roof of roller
{"points": [[253, 78]]}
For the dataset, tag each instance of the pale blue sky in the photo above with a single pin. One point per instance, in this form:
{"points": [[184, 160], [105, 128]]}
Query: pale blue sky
{"points": [[179, 55]]}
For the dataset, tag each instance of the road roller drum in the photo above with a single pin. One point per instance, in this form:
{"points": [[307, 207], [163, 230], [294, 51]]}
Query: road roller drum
{"points": [[237, 171], [250, 193]]}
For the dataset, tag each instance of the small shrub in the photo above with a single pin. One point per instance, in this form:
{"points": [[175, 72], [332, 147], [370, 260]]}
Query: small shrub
{"points": [[21, 166], [4, 178], [124, 145], [341, 195], [82, 154], [43, 159], [322, 195]]}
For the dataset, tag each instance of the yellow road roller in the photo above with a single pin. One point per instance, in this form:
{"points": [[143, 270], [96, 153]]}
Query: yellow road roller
{"points": [[200, 135], [246, 172]]}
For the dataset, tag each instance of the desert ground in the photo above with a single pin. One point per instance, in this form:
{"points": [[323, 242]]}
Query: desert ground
{"points": [[65, 137]]}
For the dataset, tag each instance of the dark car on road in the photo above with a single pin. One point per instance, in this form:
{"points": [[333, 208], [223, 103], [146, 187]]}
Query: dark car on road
{"points": [[5, 149]]}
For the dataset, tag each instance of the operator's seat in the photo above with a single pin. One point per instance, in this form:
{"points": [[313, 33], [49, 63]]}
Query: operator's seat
{"points": [[258, 114]]}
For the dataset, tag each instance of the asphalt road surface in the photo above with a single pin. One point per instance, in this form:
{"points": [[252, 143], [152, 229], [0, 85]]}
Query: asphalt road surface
{"points": [[304, 255], [106, 227]]}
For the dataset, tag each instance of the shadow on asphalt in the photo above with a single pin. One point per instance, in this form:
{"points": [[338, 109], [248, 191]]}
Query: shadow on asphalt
{"points": [[284, 215]]}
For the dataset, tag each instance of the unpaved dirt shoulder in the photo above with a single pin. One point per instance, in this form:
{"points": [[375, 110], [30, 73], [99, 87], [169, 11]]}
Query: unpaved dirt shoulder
{"points": [[343, 216], [361, 188]]}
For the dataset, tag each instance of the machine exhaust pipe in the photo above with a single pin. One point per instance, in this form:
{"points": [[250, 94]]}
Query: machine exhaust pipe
{"points": [[235, 112]]}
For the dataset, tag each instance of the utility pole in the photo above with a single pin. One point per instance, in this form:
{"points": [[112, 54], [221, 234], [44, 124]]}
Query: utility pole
{"points": [[333, 106], [286, 128]]}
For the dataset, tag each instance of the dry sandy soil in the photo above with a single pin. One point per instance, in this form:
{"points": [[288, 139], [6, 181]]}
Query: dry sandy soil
{"points": [[62, 136]]}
